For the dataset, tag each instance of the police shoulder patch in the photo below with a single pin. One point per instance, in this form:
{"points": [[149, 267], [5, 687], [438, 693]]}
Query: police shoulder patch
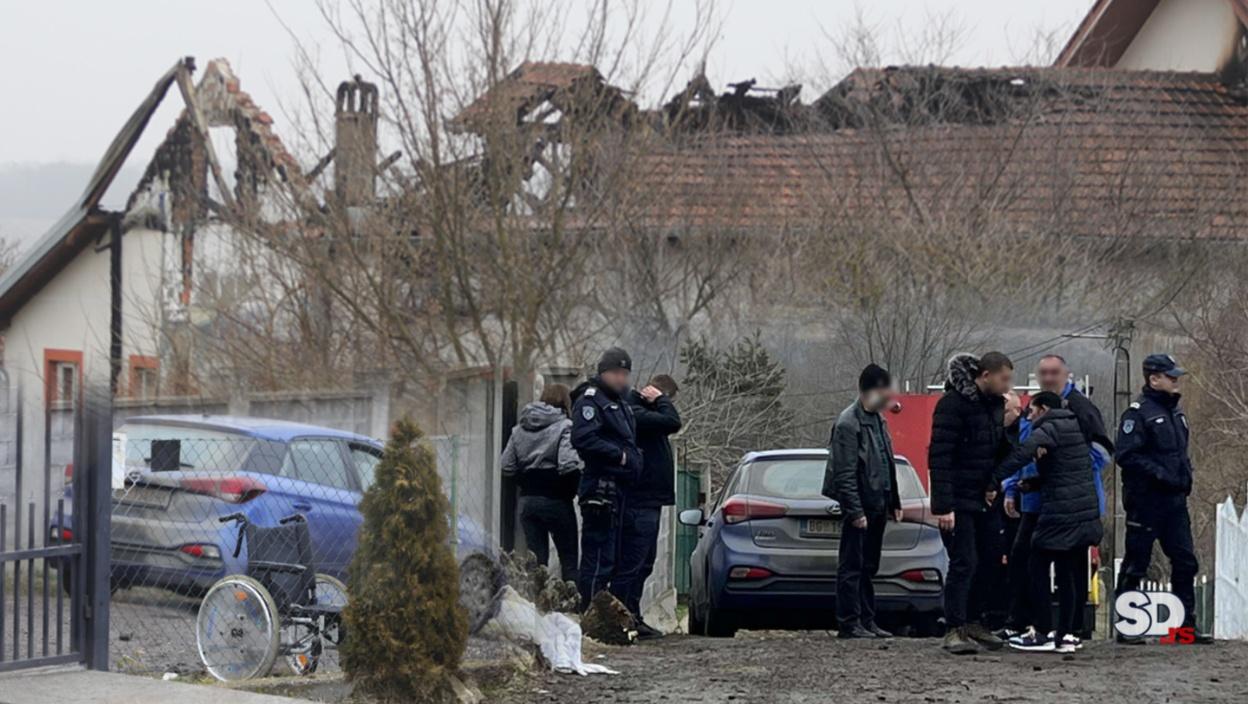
{"points": [[1127, 426], [587, 412], [591, 391], [1135, 404]]}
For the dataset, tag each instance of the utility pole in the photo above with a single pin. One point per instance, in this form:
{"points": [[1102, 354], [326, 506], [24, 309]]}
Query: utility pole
{"points": [[1119, 339]]}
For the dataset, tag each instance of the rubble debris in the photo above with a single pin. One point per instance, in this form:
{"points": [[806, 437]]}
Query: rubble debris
{"points": [[747, 107], [608, 621], [925, 95], [538, 584]]}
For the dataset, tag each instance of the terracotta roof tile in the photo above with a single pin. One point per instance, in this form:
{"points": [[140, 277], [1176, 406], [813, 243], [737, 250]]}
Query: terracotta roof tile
{"points": [[1144, 153]]}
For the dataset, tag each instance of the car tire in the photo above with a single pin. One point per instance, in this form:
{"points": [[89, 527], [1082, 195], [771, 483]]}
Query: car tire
{"points": [[719, 623], [928, 627], [115, 584], [697, 622], [480, 578]]}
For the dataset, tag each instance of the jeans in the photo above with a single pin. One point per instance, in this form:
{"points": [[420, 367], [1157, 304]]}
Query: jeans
{"points": [[1162, 519], [1021, 612], [969, 545], [858, 560], [639, 536], [1070, 578], [600, 544], [544, 519]]}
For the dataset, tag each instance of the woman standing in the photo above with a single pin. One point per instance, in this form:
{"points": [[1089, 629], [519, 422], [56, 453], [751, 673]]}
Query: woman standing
{"points": [[1068, 523], [548, 470]]}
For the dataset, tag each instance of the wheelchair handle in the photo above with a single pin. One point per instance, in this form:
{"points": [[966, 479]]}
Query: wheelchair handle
{"points": [[293, 518], [233, 517]]}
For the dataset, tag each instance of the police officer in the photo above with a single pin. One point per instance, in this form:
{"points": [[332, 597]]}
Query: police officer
{"points": [[1156, 480], [604, 434]]}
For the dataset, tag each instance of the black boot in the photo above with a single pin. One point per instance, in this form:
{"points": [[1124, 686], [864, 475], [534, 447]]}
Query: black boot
{"points": [[854, 632]]}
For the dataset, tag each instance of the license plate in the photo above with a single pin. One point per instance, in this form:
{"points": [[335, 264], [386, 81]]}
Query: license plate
{"points": [[822, 528], [144, 496]]}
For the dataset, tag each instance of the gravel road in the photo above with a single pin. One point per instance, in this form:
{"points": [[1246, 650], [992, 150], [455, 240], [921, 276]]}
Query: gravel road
{"points": [[816, 667]]}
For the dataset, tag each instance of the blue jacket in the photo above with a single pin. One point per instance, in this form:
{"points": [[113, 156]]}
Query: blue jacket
{"points": [[1031, 500]]}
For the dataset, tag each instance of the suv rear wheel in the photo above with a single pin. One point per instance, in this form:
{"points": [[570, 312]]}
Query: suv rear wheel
{"points": [[719, 623], [697, 622]]}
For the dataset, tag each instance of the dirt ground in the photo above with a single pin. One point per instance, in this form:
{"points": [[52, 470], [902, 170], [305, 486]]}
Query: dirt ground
{"points": [[816, 667]]}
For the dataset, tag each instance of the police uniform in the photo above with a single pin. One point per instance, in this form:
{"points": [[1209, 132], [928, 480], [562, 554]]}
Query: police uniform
{"points": [[1156, 480], [605, 436]]}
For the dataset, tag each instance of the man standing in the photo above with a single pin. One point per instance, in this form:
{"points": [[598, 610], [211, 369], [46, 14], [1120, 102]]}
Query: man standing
{"points": [[1054, 376], [604, 434], [1156, 480], [657, 419], [968, 442], [862, 476]]}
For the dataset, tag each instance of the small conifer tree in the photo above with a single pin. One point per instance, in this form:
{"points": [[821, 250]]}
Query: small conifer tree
{"points": [[405, 630]]}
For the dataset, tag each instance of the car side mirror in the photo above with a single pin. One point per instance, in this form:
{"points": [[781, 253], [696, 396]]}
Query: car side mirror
{"points": [[691, 517]]}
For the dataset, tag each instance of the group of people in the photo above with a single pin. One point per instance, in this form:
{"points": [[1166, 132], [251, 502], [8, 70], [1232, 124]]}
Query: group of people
{"points": [[604, 445], [1033, 474]]}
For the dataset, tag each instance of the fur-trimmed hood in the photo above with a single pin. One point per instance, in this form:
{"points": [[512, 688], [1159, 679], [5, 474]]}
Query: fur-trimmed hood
{"points": [[963, 369]]}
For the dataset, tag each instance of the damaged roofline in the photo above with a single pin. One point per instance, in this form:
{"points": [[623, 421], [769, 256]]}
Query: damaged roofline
{"points": [[84, 221]]}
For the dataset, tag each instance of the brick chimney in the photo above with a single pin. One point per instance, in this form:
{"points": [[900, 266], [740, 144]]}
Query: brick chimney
{"points": [[355, 164]]}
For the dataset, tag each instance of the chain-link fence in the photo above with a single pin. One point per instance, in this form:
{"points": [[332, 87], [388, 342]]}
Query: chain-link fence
{"points": [[231, 542]]}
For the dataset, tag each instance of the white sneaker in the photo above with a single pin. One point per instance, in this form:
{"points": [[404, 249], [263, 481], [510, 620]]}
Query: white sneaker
{"points": [[1070, 639], [1065, 647], [1033, 642]]}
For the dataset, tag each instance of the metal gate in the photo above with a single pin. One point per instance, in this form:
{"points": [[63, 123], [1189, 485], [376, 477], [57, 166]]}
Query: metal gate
{"points": [[54, 523]]}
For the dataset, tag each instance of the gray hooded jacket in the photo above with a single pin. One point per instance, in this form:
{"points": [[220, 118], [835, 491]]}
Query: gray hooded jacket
{"points": [[541, 444]]}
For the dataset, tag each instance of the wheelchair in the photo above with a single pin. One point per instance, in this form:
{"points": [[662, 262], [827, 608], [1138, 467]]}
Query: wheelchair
{"points": [[280, 607]]}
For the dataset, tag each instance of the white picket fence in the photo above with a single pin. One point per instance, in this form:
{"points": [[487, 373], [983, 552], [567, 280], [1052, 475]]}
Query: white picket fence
{"points": [[1230, 593]]}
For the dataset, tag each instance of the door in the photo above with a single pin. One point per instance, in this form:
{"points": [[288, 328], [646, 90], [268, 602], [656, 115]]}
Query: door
{"points": [[326, 492]]}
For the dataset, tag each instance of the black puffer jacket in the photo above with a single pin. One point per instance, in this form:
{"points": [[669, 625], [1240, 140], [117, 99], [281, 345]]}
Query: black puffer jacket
{"points": [[968, 441], [1070, 515]]}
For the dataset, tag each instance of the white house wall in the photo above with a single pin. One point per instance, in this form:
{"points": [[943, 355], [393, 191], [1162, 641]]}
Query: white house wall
{"points": [[1184, 35], [72, 312]]}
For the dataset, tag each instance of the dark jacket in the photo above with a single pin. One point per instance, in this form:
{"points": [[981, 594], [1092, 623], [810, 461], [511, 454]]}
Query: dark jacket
{"points": [[604, 434], [539, 453], [655, 422], [1089, 417], [1152, 447], [1093, 427], [968, 441], [861, 475], [1070, 514]]}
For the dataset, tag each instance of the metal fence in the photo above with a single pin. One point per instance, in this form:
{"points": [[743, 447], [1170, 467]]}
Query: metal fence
{"points": [[232, 540], [50, 611]]}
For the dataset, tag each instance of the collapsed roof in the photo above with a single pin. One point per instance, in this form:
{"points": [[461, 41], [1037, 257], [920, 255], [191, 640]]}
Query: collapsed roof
{"points": [[1087, 152]]}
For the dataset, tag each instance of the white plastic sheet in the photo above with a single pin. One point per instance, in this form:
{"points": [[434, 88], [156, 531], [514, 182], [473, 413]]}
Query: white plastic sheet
{"points": [[1230, 595], [558, 636]]}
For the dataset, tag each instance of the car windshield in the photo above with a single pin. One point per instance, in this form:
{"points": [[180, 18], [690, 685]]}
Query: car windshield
{"points": [[802, 478], [164, 448]]}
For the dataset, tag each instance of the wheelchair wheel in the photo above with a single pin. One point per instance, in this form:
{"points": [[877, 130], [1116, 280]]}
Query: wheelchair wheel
{"points": [[237, 629], [304, 645]]}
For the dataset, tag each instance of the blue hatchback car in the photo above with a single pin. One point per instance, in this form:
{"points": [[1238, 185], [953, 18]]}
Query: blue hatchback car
{"points": [[185, 472]]}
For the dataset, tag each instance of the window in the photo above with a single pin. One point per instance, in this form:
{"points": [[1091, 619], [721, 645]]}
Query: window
{"points": [[789, 478], [163, 448], [62, 376], [144, 375], [318, 461], [365, 459], [908, 484]]}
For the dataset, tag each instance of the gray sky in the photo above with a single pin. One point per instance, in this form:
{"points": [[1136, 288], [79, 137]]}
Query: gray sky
{"points": [[75, 69]]}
